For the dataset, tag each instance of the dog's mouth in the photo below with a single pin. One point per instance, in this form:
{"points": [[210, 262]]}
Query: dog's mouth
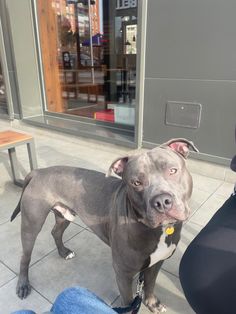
{"points": [[178, 215], [171, 216]]}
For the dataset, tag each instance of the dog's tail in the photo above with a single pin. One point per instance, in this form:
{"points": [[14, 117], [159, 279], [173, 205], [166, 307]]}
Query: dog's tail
{"points": [[26, 182]]}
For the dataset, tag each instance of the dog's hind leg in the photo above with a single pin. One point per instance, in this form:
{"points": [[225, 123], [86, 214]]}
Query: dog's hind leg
{"points": [[57, 233], [30, 228]]}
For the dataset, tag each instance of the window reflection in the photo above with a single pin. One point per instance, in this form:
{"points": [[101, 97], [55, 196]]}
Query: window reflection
{"points": [[89, 57], [3, 97]]}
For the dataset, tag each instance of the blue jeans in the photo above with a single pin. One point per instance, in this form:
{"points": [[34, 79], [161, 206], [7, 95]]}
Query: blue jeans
{"points": [[74, 301]]}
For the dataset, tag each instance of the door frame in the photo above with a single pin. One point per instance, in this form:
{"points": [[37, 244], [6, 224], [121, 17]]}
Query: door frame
{"points": [[6, 74], [140, 70]]}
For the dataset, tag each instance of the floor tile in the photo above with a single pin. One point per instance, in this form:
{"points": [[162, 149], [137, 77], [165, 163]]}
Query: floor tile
{"points": [[5, 169], [205, 183], [5, 275], [207, 210], [226, 189], [91, 268], [9, 197], [197, 199], [230, 176], [50, 155], [169, 291], [9, 301], [207, 169], [11, 252]]}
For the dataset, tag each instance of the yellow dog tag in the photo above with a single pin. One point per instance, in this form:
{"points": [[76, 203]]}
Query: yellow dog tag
{"points": [[170, 230]]}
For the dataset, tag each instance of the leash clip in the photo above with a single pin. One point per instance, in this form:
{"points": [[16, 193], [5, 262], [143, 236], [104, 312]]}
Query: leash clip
{"points": [[140, 285]]}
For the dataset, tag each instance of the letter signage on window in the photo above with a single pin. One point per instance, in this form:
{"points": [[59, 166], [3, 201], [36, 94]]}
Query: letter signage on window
{"points": [[126, 4]]}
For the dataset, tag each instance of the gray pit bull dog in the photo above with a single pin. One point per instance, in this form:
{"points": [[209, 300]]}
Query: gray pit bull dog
{"points": [[139, 215]]}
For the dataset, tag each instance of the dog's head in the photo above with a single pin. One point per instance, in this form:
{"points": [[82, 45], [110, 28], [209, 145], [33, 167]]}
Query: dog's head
{"points": [[158, 182]]}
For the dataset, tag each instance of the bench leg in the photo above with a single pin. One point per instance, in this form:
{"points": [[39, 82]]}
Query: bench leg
{"points": [[14, 166], [32, 155]]}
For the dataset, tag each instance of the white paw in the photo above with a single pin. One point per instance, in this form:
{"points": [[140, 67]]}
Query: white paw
{"points": [[70, 256], [161, 309], [155, 306]]}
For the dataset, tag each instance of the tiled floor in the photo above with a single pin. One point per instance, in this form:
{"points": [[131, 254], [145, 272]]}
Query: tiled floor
{"points": [[92, 266]]}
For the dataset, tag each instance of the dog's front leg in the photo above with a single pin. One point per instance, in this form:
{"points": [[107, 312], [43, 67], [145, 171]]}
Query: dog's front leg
{"points": [[150, 300], [124, 281]]}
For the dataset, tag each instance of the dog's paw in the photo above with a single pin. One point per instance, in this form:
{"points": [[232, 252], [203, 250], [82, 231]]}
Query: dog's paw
{"points": [[23, 289], [154, 305], [70, 255], [66, 253]]}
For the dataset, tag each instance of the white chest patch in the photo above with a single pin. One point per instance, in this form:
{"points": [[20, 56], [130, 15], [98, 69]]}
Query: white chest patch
{"points": [[162, 251]]}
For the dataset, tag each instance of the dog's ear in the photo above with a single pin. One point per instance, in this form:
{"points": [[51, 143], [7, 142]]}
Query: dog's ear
{"points": [[181, 146], [118, 166]]}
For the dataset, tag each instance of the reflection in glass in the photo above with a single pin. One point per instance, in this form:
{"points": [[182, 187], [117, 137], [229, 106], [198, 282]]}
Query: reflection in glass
{"points": [[3, 97], [89, 57]]}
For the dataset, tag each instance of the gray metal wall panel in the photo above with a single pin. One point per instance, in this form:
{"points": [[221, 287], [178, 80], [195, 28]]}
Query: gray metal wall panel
{"points": [[191, 57], [23, 42], [218, 98], [191, 39]]}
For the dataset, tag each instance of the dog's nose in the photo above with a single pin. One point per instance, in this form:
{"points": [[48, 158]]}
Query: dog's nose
{"points": [[162, 202]]}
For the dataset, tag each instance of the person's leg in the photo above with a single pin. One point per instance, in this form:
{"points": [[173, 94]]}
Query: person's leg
{"points": [[79, 300], [208, 266], [23, 312]]}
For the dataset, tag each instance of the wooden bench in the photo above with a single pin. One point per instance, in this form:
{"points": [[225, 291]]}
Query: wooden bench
{"points": [[9, 140]]}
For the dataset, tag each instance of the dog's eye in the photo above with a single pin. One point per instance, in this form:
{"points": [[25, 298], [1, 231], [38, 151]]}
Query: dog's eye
{"points": [[173, 171], [137, 183]]}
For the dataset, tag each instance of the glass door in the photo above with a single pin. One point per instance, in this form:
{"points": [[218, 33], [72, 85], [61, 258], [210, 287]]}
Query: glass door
{"points": [[89, 58]]}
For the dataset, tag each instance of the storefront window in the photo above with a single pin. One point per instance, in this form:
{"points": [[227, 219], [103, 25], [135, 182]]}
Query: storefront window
{"points": [[3, 96], [89, 57]]}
